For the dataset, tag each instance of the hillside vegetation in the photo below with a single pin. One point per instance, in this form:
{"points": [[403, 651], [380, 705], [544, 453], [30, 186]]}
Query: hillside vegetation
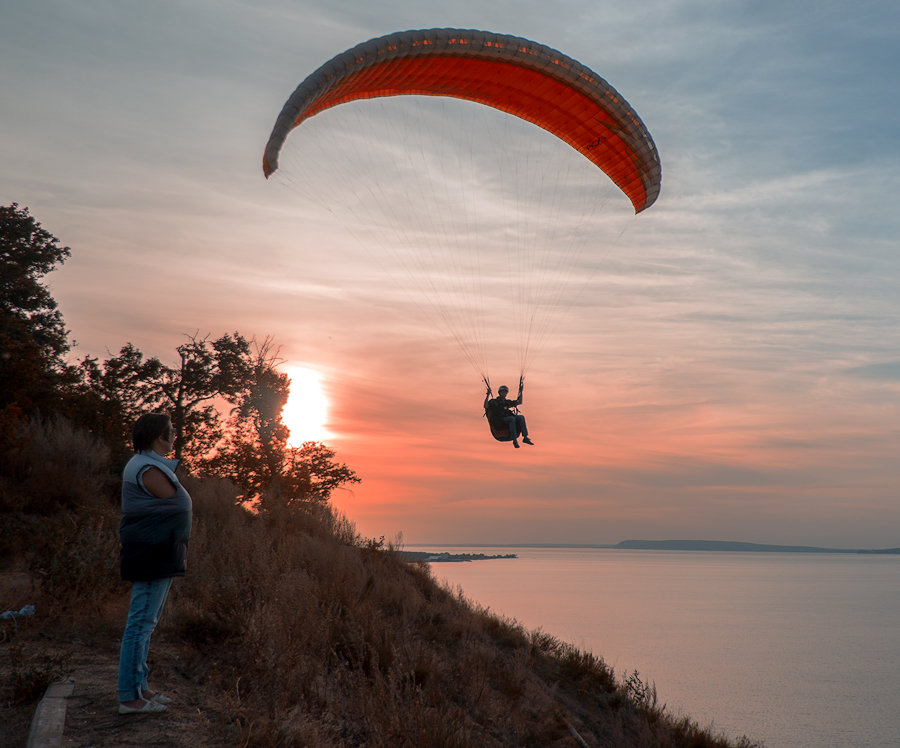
{"points": [[304, 632]]}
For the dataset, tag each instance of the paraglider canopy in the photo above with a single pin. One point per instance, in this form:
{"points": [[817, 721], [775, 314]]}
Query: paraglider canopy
{"points": [[514, 75], [479, 217]]}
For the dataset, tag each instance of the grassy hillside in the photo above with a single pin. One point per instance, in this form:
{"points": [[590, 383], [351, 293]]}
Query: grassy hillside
{"points": [[304, 633]]}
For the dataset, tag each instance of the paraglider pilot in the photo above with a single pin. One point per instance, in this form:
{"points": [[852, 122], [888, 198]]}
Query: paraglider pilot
{"points": [[502, 414]]}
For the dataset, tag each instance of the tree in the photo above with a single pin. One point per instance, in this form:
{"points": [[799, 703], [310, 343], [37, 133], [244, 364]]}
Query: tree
{"points": [[206, 370], [129, 384], [33, 337], [255, 454], [109, 398], [310, 472]]}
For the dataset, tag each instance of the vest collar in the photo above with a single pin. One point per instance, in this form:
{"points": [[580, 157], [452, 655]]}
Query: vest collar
{"points": [[169, 462]]}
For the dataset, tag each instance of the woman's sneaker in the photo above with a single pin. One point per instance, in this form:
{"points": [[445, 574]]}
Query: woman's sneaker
{"points": [[148, 707]]}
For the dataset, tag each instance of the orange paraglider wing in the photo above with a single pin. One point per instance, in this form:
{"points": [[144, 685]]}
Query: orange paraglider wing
{"points": [[514, 75]]}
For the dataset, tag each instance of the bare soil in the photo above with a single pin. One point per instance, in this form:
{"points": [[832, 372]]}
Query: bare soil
{"points": [[90, 658], [92, 717]]}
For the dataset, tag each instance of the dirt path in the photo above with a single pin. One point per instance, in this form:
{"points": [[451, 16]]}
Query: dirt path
{"points": [[193, 719], [91, 659], [92, 717]]}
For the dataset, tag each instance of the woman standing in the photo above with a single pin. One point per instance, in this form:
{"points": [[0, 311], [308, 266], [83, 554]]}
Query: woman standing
{"points": [[155, 528]]}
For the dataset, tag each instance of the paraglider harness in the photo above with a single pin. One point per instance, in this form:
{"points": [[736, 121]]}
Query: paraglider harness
{"points": [[500, 431]]}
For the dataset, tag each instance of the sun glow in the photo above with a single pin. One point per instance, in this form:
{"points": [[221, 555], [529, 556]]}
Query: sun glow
{"points": [[306, 411]]}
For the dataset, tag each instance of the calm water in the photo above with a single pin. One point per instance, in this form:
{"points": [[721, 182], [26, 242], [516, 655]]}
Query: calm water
{"points": [[788, 649]]}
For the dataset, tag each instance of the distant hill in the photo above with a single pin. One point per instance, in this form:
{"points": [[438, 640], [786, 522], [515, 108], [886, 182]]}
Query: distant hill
{"points": [[727, 545]]}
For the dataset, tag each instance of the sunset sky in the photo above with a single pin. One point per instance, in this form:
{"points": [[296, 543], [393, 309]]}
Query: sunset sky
{"points": [[725, 365]]}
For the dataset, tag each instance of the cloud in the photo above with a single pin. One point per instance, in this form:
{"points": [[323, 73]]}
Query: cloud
{"points": [[725, 361], [887, 371]]}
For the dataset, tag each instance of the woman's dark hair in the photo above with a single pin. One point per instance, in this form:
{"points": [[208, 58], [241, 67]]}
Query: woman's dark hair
{"points": [[148, 428]]}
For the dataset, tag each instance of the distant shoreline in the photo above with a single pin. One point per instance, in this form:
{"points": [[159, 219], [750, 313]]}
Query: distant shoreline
{"points": [[720, 546], [442, 557]]}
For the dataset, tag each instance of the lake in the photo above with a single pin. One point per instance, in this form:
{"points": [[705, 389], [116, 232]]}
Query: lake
{"points": [[789, 649]]}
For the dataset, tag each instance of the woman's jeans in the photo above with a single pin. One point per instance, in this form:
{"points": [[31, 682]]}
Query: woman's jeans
{"points": [[147, 600]]}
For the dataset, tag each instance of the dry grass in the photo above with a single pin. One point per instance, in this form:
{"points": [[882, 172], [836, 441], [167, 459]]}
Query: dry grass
{"points": [[308, 635]]}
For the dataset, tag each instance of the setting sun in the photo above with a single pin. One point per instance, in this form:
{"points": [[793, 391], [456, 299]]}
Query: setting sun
{"points": [[306, 410]]}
